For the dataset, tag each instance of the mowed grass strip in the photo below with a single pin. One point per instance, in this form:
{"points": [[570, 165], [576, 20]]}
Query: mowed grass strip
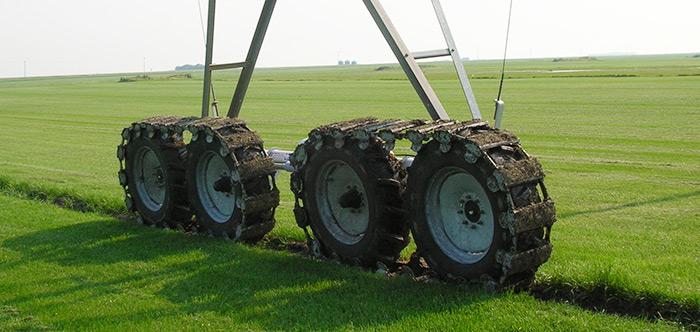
{"points": [[620, 152], [72, 271]]}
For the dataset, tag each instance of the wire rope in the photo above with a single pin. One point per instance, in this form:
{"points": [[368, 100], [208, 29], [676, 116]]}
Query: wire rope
{"points": [[505, 52], [204, 38]]}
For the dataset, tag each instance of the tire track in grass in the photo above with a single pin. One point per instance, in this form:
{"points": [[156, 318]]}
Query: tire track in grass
{"points": [[599, 296], [608, 299]]}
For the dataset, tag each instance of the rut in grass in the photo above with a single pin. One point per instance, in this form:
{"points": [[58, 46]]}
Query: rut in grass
{"points": [[607, 299]]}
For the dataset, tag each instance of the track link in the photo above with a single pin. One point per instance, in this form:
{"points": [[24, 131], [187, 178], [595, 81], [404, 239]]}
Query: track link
{"points": [[254, 170], [511, 174]]}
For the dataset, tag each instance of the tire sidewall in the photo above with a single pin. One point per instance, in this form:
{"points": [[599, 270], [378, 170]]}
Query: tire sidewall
{"points": [[426, 165]]}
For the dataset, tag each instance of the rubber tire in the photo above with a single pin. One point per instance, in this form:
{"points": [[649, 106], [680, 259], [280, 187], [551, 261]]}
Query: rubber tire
{"points": [[171, 212], [426, 164], [195, 151], [386, 213]]}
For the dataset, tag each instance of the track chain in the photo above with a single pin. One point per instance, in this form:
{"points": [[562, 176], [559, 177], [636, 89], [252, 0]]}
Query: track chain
{"points": [[254, 169], [513, 173]]}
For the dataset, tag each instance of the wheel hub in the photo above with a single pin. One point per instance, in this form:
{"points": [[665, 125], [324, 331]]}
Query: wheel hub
{"points": [[160, 176], [351, 199], [224, 184], [470, 207]]}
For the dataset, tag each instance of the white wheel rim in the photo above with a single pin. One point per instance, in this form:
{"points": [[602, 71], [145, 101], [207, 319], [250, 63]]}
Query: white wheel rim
{"points": [[218, 204], [342, 202], [150, 178], [459, 215]]}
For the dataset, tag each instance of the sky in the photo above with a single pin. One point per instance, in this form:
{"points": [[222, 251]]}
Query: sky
{"points": [[70, 37]]}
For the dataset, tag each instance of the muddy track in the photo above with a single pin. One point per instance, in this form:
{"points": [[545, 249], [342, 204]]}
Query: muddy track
{"points": [[253, 173], [511, 173]]}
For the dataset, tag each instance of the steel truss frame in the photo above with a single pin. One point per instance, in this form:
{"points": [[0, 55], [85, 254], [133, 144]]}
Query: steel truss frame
{"points": [[407, 60]]}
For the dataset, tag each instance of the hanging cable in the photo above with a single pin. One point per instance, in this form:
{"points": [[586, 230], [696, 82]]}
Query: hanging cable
{"points": [[215, 102], [500, 105], [201, 21], [505, 52]]}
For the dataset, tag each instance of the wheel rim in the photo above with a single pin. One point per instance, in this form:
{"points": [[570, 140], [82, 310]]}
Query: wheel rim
{"points": [[215, 187], [150, 178], [459, 215], [342, 202]]}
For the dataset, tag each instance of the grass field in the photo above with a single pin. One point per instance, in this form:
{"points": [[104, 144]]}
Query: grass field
{"points": [[618, 137]]}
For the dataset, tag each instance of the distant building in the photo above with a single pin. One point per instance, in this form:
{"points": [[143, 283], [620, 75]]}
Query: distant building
{"points": [[347, 63]]}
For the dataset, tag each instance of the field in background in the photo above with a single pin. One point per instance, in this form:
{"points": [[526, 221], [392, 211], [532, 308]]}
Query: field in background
{"points": [[618, 138]]}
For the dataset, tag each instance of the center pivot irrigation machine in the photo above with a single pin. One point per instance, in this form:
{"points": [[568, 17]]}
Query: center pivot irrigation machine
{"points": [[473, 199]]}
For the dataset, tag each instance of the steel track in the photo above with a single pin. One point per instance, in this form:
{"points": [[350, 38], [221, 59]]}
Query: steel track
{"points": [[260, 196], [515, 175], [529, 215]]}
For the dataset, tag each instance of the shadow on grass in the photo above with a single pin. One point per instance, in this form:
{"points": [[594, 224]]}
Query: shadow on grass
{"points": [[631, 205], [268, 289], [602, 297]]}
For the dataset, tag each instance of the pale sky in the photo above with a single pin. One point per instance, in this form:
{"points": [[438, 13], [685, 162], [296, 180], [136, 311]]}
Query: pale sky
{"points": [[65, 37]]}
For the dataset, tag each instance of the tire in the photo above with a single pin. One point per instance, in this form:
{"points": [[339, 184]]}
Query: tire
{"points": [[215, 195], [231, 181], [353, 202], [156, 180], [454, 216]]}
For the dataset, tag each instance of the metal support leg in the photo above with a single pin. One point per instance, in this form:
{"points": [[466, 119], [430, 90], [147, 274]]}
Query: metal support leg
{"points": [[251, 60], [457, 60], [407, 61], [207, 62]]}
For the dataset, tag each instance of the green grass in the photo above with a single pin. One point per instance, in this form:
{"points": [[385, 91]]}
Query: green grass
{"points": [[618, 138], [65, 270]]}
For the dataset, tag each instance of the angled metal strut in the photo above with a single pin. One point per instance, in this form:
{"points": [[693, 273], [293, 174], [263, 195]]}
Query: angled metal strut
{"points": [[406, 59]]}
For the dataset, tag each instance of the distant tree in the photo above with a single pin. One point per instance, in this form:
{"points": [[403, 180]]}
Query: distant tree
{"points": [[340, 62], [198, 66], [347, 62], [354, 62]]}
